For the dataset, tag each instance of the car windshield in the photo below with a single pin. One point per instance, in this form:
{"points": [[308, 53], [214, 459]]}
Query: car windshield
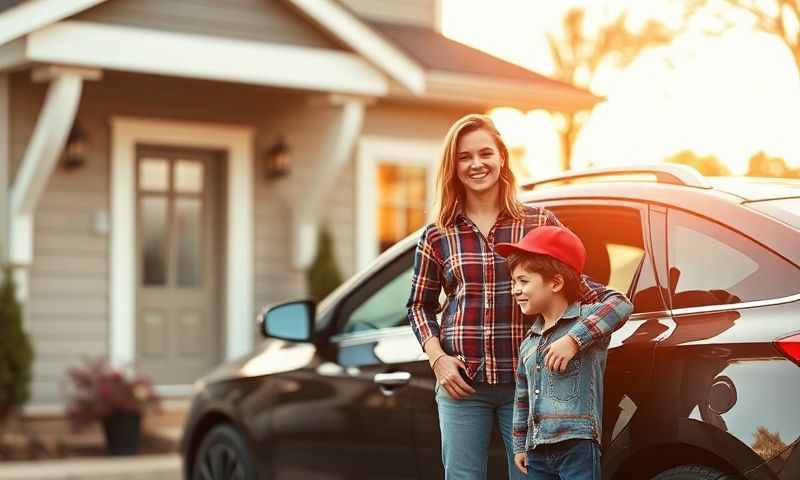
{"points": [[786, 210]]}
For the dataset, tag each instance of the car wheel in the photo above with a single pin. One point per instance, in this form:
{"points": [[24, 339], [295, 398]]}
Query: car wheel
{"points": [[223, 455], [695, 472]]}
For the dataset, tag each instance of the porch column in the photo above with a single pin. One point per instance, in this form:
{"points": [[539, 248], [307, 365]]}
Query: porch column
{"points": [[43, 151], [332, 155]]}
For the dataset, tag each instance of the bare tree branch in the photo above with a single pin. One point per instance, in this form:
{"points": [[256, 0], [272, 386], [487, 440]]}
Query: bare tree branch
{"points": [[575, 53]]}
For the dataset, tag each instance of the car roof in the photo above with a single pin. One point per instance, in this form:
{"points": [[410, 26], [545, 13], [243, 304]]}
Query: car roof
{"points": [[702, 200], [757, 188]]}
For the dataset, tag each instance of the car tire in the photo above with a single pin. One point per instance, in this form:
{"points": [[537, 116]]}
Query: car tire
{"points": [[695, 472], [223, 455]]}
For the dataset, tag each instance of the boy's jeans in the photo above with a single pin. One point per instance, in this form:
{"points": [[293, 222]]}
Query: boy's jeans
{"points": [[466, 427], [567, 460]]}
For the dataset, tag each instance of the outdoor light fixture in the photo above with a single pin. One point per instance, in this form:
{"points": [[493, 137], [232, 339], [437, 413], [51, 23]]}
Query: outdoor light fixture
{"points": [[276, 159], [75, 149]]}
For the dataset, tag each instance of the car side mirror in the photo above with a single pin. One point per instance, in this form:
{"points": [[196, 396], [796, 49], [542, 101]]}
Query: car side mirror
{"points": [[293, 321]]}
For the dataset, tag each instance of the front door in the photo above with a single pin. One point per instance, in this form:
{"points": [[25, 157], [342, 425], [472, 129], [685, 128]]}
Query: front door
{"points": [[178, 322]]}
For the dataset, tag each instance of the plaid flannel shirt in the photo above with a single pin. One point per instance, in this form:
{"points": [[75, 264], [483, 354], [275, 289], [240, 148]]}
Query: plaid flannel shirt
{"points": [[479, 322]]}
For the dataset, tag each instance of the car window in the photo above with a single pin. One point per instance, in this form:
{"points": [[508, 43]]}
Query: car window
{"points": [[713, 265], [615, 252], [385, 308]]}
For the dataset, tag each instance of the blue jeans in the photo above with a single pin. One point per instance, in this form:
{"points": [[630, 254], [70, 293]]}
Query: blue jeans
{"points": [[568, 460], [466, 427]]}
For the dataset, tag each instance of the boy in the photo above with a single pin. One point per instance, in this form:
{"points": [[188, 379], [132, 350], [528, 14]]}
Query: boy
{"points": [[559, 393]]}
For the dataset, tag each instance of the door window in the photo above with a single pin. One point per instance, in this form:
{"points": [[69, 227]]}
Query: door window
{"points": [[615, 250], [713, 265], [379, 306]]}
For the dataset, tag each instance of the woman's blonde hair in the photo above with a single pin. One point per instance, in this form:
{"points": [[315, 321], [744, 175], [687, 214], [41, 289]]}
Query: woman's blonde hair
{"points": [[449, 189]]}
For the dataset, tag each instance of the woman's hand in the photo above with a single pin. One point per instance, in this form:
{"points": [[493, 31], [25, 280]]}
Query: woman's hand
{"points": [[559, 353], [447, 374], [521, 461]]}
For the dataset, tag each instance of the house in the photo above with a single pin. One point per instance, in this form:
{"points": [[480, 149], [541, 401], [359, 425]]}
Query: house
{"points": [[161, 240]]}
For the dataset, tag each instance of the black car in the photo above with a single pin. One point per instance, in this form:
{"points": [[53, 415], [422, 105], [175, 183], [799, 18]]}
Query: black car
{"points": [[702, 382]]}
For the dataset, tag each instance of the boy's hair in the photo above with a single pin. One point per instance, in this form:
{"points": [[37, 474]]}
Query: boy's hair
{"points": [[548, 267]]}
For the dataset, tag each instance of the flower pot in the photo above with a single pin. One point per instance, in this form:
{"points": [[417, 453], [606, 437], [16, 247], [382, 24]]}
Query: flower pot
{"points": [[123, 431]]}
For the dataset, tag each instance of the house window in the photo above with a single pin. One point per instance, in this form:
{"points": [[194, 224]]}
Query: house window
{"points": [[402, 192]]}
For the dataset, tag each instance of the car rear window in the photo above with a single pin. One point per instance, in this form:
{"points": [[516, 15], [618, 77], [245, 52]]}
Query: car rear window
{"points": [[710, 264], [787, 210]]}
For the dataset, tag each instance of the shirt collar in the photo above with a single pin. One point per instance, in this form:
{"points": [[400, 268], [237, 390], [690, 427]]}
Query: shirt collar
{"points": [[460, 212], [573, 311]]}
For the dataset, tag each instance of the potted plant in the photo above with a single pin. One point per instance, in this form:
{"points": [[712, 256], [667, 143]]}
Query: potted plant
{"points": [[118, 398]]}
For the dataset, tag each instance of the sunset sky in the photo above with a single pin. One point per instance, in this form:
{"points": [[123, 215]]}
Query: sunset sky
{"points": [[730, 95]]}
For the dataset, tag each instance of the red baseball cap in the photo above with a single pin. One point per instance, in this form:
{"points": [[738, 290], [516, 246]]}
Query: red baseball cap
{"points": [[557, 242]]}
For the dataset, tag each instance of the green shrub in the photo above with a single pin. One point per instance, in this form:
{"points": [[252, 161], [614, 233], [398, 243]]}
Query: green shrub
{"points": [[16, 353], [323, 276]]}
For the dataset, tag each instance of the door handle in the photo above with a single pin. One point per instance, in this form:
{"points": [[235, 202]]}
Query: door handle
{"points": [[394, 379]]}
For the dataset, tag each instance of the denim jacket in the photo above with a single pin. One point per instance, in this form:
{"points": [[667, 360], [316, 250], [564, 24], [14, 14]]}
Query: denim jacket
{"points": [[551, 407]]}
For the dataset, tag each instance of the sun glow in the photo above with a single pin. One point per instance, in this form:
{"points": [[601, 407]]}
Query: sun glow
{"points": [[729, 96]]}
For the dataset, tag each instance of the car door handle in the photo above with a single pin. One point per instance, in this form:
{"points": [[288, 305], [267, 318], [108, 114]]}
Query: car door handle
{"points": [[394, 379]]}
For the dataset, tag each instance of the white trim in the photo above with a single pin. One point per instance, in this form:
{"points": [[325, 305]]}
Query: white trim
{"points": [[35, 14], [373, 150], [484, 91], [202, 56], [334, 151], [361, 38], [41, 156], [239, 277]]}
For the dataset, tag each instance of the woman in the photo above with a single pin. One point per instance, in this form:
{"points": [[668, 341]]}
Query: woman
{"points": [[474, 352]]}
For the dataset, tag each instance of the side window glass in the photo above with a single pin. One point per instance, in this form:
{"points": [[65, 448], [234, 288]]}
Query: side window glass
{"points": [[712, 265], [615, 252], [385, 308]]}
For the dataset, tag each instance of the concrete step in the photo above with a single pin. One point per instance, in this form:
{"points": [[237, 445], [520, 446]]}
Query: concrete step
{"points": [[138, 467]]}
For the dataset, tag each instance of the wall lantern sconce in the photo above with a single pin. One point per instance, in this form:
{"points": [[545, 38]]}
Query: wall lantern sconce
{"points": [[276, 159], [75, 149]]}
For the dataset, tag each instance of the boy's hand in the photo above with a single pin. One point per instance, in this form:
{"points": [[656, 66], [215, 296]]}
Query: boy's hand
{"points": [[521, 461], [559, 353]]}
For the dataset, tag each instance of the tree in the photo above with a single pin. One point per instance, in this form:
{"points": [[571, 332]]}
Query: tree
{"points": [[578, 54], [767, 444], [16, 353], [708, 165], [780, 18], [323, 276], [762, 165]]}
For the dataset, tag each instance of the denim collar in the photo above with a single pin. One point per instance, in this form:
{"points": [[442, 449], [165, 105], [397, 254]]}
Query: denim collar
{"points": [[572, 311]]}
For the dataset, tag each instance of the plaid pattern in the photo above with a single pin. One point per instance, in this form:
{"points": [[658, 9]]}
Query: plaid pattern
{"points": [[479, 322]]}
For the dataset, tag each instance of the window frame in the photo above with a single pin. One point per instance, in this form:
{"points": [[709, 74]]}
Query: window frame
{"points": [[372, 151], [728, 306]]}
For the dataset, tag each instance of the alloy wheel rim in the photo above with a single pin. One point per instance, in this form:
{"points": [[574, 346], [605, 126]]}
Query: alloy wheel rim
{"points": [[221, 462]]}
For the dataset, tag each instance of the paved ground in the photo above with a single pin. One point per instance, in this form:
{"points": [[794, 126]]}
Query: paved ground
{"points": [[81, 456], [140, 467]]}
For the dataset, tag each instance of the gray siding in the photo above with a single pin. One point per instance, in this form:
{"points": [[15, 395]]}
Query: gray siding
{"points": [[69, 294], [414, 12], [259, 20]]}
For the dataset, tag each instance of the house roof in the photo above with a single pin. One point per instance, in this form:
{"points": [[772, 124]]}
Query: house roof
{"points": [[420, 59], [434, 51]]}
